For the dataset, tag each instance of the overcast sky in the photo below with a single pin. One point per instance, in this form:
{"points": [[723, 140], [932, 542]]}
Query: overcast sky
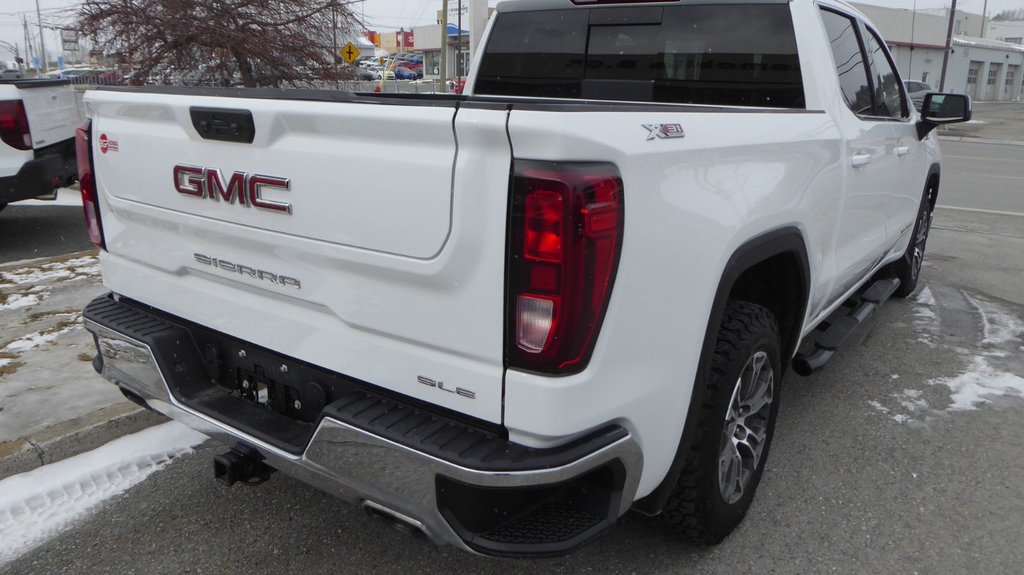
{"points": [[380, 14]]}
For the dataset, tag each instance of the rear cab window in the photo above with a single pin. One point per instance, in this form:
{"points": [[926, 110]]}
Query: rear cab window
{"points": [[719, 55], [869, 82]]}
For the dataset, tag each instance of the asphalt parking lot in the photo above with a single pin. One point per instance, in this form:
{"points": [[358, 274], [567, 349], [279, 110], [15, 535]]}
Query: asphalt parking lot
{"points": [[904, 455]]}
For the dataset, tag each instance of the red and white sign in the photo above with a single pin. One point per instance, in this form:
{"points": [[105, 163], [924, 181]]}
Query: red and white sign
{"points": [[107, 145]]}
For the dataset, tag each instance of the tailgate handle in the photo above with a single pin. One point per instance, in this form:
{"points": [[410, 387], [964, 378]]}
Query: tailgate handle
{"points": [[224, 125]]}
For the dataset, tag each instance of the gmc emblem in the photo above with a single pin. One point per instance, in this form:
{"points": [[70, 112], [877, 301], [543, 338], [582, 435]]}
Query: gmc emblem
{"points": [[244, 188]]}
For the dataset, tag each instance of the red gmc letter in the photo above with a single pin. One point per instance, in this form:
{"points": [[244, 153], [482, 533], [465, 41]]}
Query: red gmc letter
{"points": [[256, 185], [236, 186], [190, 180]]}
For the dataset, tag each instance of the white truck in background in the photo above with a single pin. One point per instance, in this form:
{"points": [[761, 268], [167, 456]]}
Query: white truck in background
{"points": [[37, 138], [582, 297]]}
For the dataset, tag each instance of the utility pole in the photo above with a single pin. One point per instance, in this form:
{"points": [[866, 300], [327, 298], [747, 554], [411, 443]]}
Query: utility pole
{"points": [[984, 14], [949, 45], [28, 40], [913, 24], [42, 44], [444, 45], [458, 47]]}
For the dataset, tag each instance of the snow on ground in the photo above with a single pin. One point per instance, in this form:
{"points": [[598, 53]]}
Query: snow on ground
{"points": [[65, 270], [925, 319], [18, 301], [985, 379], [37, 505], [37, 339], [980, 384], [993, 363], [45, 352], [999, 326]]}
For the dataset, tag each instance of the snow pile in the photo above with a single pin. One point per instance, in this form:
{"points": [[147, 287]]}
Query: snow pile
{"points": [[36, 505]]}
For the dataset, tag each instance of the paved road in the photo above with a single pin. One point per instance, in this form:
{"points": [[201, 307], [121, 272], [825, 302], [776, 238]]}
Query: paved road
{"points": [[37, 231], [983, 176], [875, 467], [870, 473]]}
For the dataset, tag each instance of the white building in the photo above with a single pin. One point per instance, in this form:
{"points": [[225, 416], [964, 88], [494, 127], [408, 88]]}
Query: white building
{"points": [[1011, 31], [987, 69]]}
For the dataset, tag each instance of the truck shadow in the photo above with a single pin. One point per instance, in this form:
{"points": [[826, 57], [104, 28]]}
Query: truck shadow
{"points": [[28, 232]]}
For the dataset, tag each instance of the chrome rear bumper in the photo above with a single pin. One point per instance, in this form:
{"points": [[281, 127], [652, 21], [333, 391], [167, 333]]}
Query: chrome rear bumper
{"points": [[360, 467]]}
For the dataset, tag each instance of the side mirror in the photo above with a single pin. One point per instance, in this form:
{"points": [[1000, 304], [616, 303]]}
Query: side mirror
{"points": [[941, 109]]}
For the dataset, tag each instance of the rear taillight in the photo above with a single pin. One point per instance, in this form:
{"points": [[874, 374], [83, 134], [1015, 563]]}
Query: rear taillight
{"points": [[87, 183], [565, 228], [14, 125]]}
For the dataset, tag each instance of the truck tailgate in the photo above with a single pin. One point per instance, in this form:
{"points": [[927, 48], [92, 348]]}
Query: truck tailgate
{"points": [[51, 109], [379, 268]]}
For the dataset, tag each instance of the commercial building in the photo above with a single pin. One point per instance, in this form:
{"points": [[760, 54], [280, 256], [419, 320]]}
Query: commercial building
{"points": [[987, 69], [1011, 31], [460, 44]]}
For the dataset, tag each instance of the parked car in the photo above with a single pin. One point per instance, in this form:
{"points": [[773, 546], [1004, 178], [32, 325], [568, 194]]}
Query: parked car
{"points": [[916, 92], [10, 74], [403, 73]]}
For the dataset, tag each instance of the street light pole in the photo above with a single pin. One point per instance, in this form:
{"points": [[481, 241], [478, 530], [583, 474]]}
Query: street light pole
{"points": [[949, 45]]}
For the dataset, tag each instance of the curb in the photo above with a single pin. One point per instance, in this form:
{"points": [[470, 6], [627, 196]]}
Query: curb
{"points": [[74, 437], [950, 137]]}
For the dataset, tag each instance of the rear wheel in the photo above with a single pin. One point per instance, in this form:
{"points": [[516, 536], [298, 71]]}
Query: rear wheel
{"points": [[908, 268], [734, 430]]}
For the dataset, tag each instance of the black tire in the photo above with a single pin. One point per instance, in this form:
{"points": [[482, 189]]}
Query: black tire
{"points": [[908, 268], [698, 509], [2, 206]]}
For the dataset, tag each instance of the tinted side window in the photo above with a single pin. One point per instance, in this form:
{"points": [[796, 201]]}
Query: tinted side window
{"points": [[849, 60], [888, 97], [535, 54], [712, 54]]}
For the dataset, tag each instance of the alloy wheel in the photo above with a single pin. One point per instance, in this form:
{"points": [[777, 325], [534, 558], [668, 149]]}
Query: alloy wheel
{"points": [[746, 427]]}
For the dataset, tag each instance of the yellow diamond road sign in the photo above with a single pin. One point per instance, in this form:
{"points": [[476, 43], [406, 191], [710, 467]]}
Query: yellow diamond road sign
{"points": [[349, 53]]}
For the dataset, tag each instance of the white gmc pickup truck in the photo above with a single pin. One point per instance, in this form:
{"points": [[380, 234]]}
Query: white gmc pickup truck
{"points": [[578, 297], [37, 138]]}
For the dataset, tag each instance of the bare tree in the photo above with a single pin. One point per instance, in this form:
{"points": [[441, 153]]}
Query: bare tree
{"points": [[1017, 14], [262, 42]]}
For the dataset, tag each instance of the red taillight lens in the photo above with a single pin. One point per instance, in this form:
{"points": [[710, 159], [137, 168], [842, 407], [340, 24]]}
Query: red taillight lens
{"points": [[566, 234], [87, 183], [14, 129], [544, 220]]}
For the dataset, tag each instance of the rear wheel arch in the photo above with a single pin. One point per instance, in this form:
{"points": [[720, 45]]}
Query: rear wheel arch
{"points": [[781, 257]]}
